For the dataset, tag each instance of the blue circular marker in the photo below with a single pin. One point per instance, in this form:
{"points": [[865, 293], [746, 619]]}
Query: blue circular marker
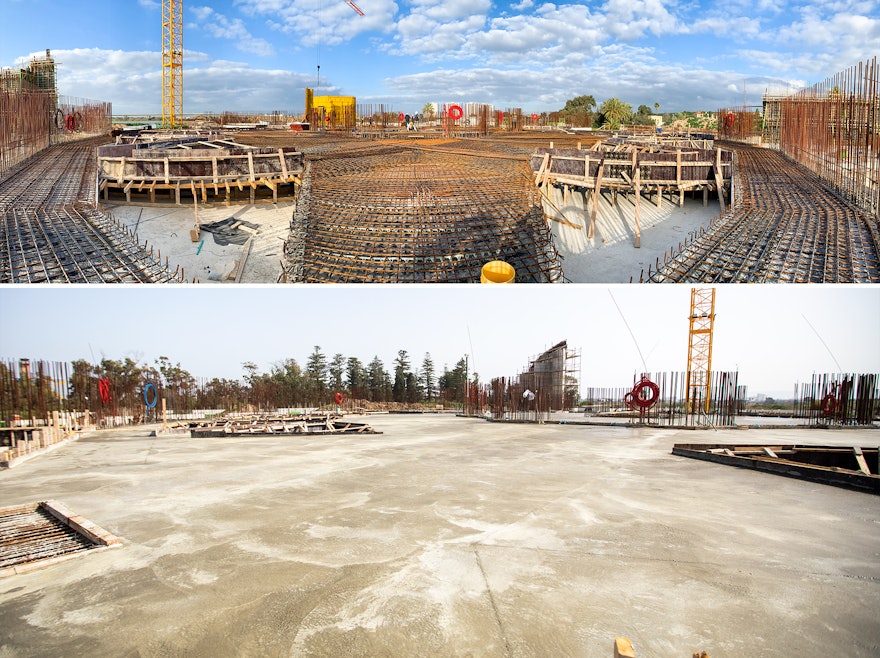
{"points": [[149, 404]]}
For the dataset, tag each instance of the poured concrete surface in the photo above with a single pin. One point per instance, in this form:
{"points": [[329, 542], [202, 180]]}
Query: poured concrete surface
{"points": [[446, 537]]}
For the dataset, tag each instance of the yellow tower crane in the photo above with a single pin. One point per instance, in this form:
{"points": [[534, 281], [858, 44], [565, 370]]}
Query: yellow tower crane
{"points": [[172, 63], [699, 368]]}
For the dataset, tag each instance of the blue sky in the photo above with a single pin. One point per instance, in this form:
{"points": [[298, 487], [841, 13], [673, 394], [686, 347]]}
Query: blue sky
{"points": [[774, 335], [259, 55]]}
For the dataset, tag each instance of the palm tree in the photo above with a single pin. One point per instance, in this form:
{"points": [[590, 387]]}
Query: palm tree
{"points": [[656, 107], [615, 112]]}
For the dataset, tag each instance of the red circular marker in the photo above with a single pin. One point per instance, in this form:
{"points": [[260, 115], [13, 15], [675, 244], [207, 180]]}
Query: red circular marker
{"points": [[455, 112]]}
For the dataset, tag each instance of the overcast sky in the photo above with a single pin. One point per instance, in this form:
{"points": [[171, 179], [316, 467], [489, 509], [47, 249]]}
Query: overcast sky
{"points": [[775, 335], [259, 55]]}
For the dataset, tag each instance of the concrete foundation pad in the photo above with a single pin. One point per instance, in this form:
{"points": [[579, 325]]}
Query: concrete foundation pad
{"points": [[167, 229], [446, 536]]}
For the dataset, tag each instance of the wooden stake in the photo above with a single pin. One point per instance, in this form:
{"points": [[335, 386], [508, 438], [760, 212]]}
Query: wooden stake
{"points": [[719, 179], [638, 231], [196, 232], [596, 191]]}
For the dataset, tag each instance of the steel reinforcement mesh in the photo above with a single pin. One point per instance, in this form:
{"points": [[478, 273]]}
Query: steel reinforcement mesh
{"points": [[398, 215], [786, 227]]}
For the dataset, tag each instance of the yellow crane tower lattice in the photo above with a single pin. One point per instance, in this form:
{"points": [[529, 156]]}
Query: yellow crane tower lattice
{"points": [[699, 368], [172, 63]]}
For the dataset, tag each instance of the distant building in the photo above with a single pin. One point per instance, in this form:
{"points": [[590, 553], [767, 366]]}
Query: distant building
{"points": [[38, 76]]}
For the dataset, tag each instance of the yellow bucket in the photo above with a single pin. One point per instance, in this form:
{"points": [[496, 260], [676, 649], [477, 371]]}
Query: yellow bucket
{"points": [[497, 271]]}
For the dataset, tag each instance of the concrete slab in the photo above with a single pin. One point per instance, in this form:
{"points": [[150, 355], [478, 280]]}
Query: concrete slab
{"points": [[167, 229], [446, 536], [610, 257]]}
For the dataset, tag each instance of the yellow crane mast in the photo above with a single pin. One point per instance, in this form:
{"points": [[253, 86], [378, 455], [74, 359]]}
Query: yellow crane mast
{"points": [[172, 63], [699, 367]]}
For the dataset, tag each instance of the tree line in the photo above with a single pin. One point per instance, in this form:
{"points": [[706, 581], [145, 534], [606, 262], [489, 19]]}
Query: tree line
{"points": [[583, 112], [118, 386]]}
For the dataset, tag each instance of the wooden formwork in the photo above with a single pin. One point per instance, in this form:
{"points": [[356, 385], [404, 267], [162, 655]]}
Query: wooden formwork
{"points": [[215, 170], [616, 169]]}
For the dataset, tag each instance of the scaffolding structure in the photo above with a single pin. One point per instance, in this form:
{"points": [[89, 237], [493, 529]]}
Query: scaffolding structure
{"points": [[550, 382], [33, 116], [172, 63]]}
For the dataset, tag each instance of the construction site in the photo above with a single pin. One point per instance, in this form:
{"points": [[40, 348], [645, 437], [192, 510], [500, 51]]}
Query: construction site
{"points": [[526, 516], [354, 194], [297, 513]]}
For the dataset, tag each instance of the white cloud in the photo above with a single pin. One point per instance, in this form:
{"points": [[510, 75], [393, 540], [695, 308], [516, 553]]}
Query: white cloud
{"points": [[632, 19], [221, 27], [132, 82]]}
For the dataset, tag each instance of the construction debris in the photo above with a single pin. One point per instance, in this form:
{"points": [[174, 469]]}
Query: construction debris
{"points": [[278, 425]]}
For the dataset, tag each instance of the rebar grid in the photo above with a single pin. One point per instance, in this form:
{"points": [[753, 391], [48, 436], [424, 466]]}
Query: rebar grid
{"points": [[831, 128], [786, 226], [672, 408], [392, 214], [51, 233], [838, 398]]}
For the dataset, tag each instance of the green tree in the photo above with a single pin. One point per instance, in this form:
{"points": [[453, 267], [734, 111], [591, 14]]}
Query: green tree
{"points": [[401, 370], [337, 370], [578, 111], [356, 379], [453, 383], [79, 388], [429, 381], [178, 385], [428, 112], [614, 113], [642, 116], [379, 381], [413, 390], [579, 105], [316, 372], [257, 395], [288, 384], [656, 107]]}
